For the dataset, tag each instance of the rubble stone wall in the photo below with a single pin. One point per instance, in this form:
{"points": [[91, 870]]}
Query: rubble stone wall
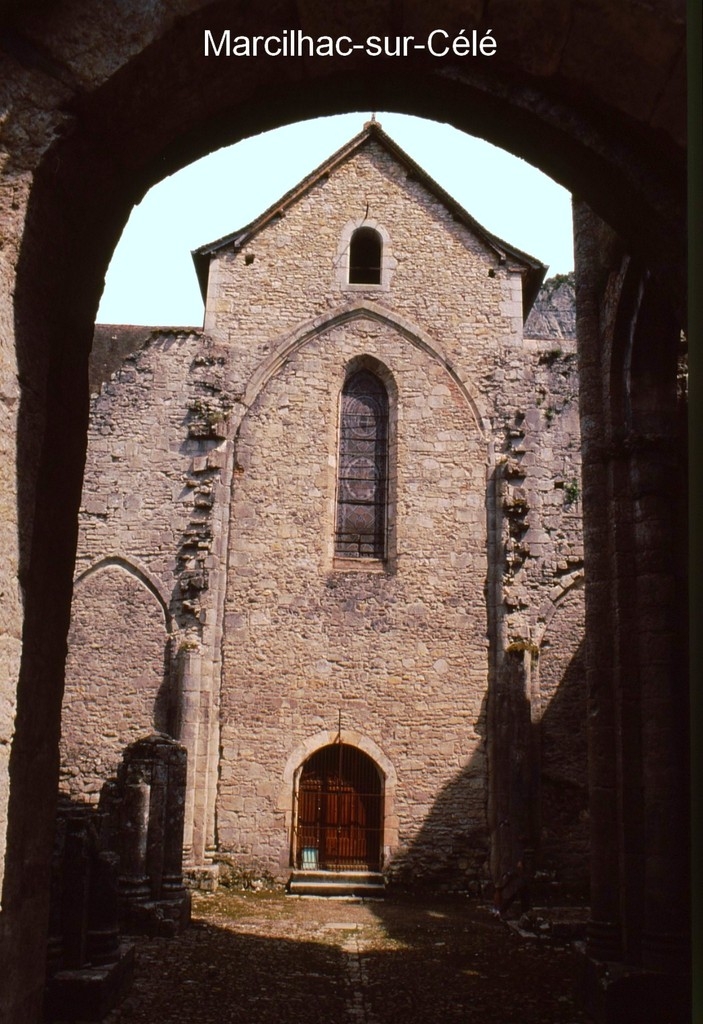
{"points": [[399, 652], [212, 472], [117, 676], [289, 273], [402, 654], [135, 501]]}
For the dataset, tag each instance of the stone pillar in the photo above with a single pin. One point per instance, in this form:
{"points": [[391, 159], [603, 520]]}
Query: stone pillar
{"points": [[188, 730], [134, 825], [212, 761], [151, 782], [156, 770], [661, 656], [513, 720], [197, 673], [657, 467], [76, 888], [88, 968], [604, 937], [103, 910], [634, 538], [514, 782], [172, 877], [54, 950]]}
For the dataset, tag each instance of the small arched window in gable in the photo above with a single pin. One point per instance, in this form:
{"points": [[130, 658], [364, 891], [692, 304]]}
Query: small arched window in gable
{"points": [[365, 252], [362, 482]]}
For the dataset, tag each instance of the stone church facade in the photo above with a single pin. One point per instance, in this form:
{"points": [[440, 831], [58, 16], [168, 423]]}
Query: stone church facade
{"points": [[332, 543]]}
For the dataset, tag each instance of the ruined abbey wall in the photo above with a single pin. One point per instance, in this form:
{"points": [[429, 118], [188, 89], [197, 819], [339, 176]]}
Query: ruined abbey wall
{"points": [[99, 108], [207, 535], [141, 521], [399, 655]]}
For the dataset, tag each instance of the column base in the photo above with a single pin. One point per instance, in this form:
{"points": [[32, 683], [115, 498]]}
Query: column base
{"points": [[162, 918], [201, 877]]}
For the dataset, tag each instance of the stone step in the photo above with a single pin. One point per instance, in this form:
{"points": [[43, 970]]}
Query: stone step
{"points": [[336, 883]]}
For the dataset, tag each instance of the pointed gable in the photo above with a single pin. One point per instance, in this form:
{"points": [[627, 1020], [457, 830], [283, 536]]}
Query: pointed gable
{"points": [[531, 270]]}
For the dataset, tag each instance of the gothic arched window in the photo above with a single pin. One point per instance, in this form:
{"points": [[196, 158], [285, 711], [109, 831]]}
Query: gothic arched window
{"points": [[362, 481], [365, 251]]}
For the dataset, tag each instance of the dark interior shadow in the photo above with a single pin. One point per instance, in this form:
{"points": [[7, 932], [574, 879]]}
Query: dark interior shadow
{"points": [[564, 848], [547, 787]]}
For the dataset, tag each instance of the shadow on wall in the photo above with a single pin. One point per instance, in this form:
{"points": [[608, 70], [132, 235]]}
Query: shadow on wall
{"points": [[452, 849], [563, 778], [537, 773]]}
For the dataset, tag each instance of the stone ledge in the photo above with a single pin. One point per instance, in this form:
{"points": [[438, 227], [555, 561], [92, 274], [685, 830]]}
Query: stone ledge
{"points": [[89, 993], [163, 918]]}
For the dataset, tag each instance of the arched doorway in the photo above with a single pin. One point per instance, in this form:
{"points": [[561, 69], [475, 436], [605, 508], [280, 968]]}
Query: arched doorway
{"points": [[338, 824]]}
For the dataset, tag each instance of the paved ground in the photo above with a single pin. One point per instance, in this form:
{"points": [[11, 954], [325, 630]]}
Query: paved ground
{"points": [[266, 958]]}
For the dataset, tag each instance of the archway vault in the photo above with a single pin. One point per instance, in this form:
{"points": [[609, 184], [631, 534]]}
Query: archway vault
{"points": [[593, 142], [99, 109]]}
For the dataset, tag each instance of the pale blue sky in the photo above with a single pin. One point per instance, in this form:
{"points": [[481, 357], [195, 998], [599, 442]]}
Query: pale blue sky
{"points": [[151, 279]]}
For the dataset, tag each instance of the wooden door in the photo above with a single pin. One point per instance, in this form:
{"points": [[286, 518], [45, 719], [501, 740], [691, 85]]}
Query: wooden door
{"points": [[339, 811]]}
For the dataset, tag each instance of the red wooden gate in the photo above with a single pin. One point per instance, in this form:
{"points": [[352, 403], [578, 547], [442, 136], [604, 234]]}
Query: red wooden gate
{"points": [[340, 805]]}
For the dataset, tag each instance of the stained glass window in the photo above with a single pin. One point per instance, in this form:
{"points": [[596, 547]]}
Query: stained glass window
{"points": [[362, 483]]}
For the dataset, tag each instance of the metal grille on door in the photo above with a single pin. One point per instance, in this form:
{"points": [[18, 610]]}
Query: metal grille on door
{"points": [[339, 819]]}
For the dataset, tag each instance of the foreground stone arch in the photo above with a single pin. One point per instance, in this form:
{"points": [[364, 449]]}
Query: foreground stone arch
{"points": [[100, 108]]}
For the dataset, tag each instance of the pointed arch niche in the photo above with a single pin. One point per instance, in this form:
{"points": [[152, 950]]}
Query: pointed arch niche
{"points": [[117, 685]]}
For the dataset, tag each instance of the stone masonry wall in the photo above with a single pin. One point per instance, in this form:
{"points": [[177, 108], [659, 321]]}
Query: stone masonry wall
{"points": [[117, 676], [399, 655], [291, 273], [207, 525], [136, 503], [304, 640], [146, 531], [540, 596]]}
